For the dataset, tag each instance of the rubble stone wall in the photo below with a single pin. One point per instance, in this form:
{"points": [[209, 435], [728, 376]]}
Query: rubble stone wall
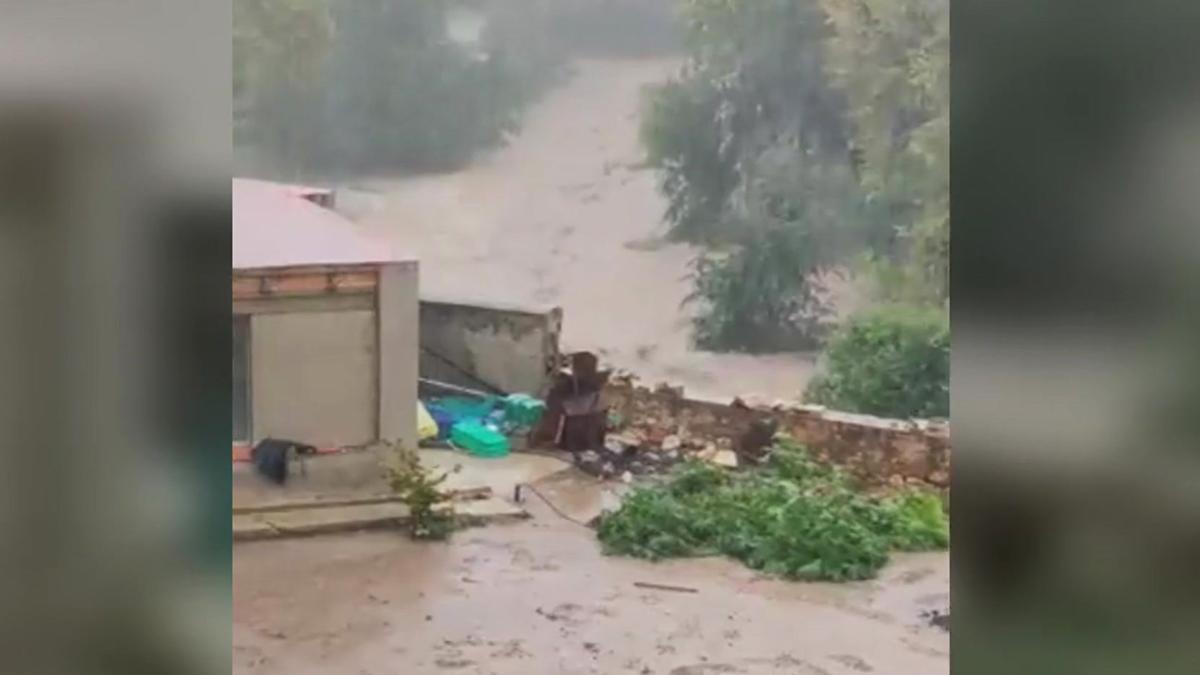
{"points": [[878, 452]]}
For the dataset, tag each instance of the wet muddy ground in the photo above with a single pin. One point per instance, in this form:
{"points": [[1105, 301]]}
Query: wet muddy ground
{"points": [[538, 597]]}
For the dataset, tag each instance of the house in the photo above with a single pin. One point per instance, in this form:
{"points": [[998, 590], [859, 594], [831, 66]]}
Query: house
{"points": [[325, 324]]}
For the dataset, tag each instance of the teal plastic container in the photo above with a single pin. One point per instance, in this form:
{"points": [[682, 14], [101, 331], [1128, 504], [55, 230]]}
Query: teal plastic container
{"points": [[479, 440], [523, 410]]}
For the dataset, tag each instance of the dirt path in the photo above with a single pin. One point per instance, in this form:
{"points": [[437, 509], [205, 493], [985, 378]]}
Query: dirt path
{"points": [[539, 598], [564, 216]]}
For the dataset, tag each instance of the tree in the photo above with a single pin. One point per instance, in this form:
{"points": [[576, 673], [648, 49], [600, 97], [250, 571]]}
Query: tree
{"points": [[817, 127], [334, 86], [892, 60], [752, 143], [280, 48]]}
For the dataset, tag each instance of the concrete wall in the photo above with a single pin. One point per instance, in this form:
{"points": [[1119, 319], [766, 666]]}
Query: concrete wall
{"points": [[509, 348], [398, 364], [314, 376]]}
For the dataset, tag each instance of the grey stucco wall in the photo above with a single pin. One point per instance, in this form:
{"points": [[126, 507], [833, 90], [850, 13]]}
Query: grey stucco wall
{"points": [[314, 376], [509, 348], [398, 335]]}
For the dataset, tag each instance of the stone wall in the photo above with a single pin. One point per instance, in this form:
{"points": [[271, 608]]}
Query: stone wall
{"points": [[878, 452]]}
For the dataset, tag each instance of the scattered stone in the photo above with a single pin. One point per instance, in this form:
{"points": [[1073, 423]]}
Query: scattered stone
{"points": [[671, 442], [757, 439], [627, 477], [725, 458], [937, 619]]}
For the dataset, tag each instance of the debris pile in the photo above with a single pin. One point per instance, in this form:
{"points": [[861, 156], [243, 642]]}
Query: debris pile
{"points": [[651, 440]]}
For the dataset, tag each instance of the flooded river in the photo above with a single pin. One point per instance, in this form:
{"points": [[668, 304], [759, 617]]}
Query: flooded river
{"points": [[565, 215]]}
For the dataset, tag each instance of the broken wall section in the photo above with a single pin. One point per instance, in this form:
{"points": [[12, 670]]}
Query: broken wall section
{"points": [[485, 346], [878, 452]]}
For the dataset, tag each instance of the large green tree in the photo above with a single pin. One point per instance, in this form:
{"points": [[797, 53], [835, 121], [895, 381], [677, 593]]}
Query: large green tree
{"points": [[799, 133], [892, 60]]}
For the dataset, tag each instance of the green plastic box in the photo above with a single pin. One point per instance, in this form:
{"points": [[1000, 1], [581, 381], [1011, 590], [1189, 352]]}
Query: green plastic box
{"points": [[478, 439], [523, 410]]}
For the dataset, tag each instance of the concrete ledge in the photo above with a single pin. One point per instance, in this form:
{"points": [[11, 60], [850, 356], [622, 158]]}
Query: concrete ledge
{"points": [[466, 494], [327, 519]]}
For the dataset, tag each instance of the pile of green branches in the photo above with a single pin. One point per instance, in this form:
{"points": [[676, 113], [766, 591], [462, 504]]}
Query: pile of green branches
{"points": [[794, 517]]}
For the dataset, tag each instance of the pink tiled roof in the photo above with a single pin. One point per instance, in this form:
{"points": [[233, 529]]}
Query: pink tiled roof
{"points": [[274, 226]]}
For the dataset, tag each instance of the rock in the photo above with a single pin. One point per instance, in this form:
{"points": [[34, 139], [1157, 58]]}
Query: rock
{"points": [[708, 453], [627, 477], [619, 442], [940, 477], [671, 442], [589, 457], [637, 468], [726, 458], [608, 469]]}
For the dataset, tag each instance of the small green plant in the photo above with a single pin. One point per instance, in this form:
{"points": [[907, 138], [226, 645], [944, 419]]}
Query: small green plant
{"points": [[795, 517], [418, 488], [892, 361]]}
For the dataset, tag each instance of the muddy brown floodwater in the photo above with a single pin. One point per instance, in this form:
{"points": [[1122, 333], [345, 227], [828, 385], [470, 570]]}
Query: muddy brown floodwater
{"points": [[538, 597], [565, 215]]}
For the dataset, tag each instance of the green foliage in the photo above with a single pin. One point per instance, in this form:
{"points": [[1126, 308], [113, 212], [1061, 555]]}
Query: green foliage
{"points": [[818, 125], [919, 523], [766, 292], [280, 48], [334, 86], [417, 487], [892, 60], [796, 518], [697, 175], [400, 94], [892, 361], [755, 299]]}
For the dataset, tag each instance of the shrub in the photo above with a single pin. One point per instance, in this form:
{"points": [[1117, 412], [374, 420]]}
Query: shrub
{"points": [[795, 518], [892, 361], [419, 489]]}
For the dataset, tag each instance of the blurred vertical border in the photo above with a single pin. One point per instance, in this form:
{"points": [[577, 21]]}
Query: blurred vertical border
{"points": [[1076, 168], [115, 138]]}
